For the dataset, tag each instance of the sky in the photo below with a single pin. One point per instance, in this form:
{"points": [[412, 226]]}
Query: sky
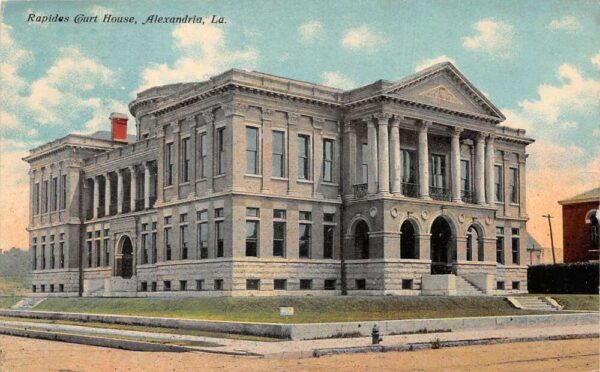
{"points": [[539, 62]]}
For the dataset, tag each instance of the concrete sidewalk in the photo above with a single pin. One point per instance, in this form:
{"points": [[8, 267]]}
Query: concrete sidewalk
{"points": [[309, 348]]}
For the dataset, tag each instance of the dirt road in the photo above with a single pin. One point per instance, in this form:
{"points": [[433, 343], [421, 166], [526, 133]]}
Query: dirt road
{"points": [[20, 354]]}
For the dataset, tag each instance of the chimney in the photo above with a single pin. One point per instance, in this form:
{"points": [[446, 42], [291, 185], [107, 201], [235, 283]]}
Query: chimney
{"points": [[118, 123]]}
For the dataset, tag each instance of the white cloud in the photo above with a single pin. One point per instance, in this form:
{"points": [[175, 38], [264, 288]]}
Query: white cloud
{"points": [[568, 125], [100, 10], [203, 53], [596, 60], [337, 80], [8, 120], [566, 23], [362, 39], [311, 31], [492, 37], [432, 61], [575, 94]]}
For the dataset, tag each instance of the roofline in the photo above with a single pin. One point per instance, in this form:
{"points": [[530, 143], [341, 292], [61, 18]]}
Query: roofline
{"points": [[579, 201]]}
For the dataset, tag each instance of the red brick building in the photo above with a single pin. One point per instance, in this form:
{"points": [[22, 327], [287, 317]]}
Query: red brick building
{"points": [[580, 226]]}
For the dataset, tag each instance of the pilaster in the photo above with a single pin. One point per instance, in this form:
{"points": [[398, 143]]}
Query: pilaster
{"points": [[423, 149]]}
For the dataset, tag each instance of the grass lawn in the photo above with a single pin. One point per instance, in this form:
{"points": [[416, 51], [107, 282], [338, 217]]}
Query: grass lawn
{"points": [[578, 301], [6, 302], [13, 285], [306, 309]]}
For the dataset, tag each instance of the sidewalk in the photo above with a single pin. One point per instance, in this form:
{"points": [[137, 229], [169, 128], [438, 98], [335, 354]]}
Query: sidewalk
{"points": [[309, 348]]}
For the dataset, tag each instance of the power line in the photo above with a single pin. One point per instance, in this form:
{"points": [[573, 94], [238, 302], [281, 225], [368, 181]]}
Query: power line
{"points": [[548, 216]]}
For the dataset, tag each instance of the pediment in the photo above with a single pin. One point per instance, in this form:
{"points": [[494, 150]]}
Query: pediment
{"points": [[443, 86]]}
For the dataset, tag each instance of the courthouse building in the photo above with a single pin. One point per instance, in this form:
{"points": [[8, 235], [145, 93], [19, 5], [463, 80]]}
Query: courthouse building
{"points": [[252, 184]]}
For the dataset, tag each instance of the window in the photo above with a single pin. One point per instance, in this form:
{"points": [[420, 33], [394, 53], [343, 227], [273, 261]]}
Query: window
{"points": [[202, 231], [438, 172], [52, 263], [252, 284], [199, 285], [51, 287], [45, 197], [98, 252], [409, 167], [106, 248], [34, 253], [515, 246], [168, 220], [54, 193], [360, 284], [89, 253], [328, 234], [183, 236], [500, 285], [185, 159], [278, 156], [251, 150], [328, 160], [219, 238], [513, 190], [36, 198], [252, 212], [279, 214], [303, 157], [169, 157], [329, 217], [252, 238], [153, 286], [280, 284], [499, 183], [516, 285], [63, 188], [144, 287], [305, 283], [43, 287], [365, 162], [183, 285], [329, 284], [145, 247], [305, 216], [61, 287], [218, 212], [220, 151], [61, 255], [167, 243], [407, 284], [500, 245], [465, 176], [304, 240], [167, 285], [153, 243], [218, 284], [203, 155], [33, 288], [279, 238]]}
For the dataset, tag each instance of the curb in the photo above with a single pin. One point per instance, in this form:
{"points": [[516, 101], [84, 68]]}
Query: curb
{"points": [[445, 344]]}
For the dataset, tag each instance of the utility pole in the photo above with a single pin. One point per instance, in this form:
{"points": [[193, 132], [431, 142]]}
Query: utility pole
{"points": [[548, 216]]}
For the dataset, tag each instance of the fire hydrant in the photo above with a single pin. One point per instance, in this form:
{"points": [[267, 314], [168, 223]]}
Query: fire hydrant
{"points": [[375, 335]]}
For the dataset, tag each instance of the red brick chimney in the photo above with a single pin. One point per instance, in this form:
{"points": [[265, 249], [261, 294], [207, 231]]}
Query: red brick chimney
{"points": [[118, 126]]}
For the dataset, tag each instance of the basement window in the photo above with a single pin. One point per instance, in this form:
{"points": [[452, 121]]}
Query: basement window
{"points": [[280, 284], [305, 283], [407, 284], [33, 288], [199, 285], [153, 287], [43, 288], [500, 285], [329, 284], [167, 285], [361, 284], [252, 284], [516, 285], [144, 287], [61, 287], [51, 287], [218, 284], [183, 285]]}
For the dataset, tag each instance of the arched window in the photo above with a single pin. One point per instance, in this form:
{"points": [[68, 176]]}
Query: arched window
{"points": [[594, 231]]}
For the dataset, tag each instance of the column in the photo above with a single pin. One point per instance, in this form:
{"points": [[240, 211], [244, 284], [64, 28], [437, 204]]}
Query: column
{"points": [[107, 194], [522, 187], [96, 200], [235, 135], [455, 163], [479, 169], [384, 153], [133, 188], [160, 165], [489, 170], [349, 158], [194, 152], [317, 155], [177, 158], [120, 191], [147, 185], [265, 162], [372, 139], [396, 166], [292, 151], [423, 159], [209, 119]]}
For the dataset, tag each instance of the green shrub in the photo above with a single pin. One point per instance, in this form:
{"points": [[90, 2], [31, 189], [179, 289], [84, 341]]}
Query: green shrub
{"points": [[580, 277]]}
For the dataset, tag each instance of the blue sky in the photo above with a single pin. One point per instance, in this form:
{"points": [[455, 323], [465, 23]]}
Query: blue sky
{"points": [[537, 61]]}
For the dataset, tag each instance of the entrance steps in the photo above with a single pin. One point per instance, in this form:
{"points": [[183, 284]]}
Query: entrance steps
{"points": [[534, 303], [28, 303], [465, 288]]}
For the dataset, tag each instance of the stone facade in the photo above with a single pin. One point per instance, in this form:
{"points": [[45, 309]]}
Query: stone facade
{"points": [[251, 184]]}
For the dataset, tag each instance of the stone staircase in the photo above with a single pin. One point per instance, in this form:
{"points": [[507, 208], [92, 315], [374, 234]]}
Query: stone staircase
{"points": [[536, 303], [465, 288], [28, 303]]}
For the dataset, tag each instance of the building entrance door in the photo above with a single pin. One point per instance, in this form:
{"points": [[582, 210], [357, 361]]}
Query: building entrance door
{"points": [[125, 261], [441, 247]]}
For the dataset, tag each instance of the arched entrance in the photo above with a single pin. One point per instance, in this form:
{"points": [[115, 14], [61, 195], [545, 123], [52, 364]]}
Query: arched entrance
{"points": [[361, 240], [474, 243], [408, 241], [594, 232], [124, 261], [442, 244]]}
